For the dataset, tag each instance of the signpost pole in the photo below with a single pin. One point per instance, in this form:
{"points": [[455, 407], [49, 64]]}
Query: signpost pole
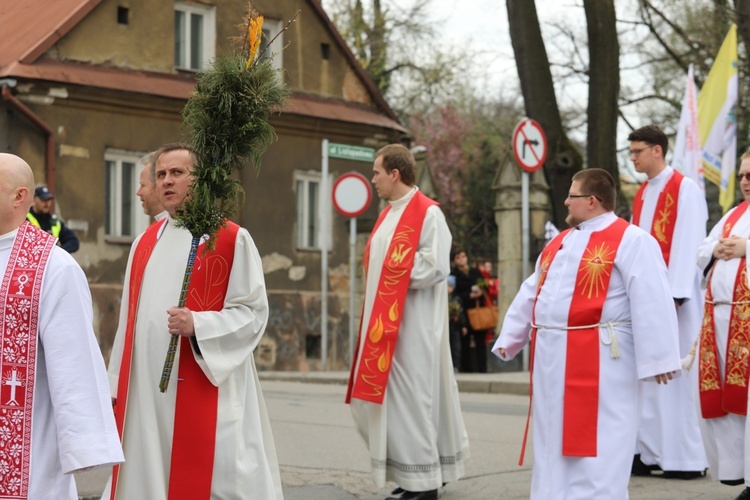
{"points": [[324, 258], [525, 244], [351, 195], [524, 225], [530, 150], [352, 282]]}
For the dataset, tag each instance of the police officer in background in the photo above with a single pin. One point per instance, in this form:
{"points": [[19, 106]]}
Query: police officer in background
{"points": [[40, 214]]}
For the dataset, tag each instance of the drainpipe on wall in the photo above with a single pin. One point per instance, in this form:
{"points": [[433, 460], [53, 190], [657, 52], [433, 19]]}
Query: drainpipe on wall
{"points": [[49, 169]]}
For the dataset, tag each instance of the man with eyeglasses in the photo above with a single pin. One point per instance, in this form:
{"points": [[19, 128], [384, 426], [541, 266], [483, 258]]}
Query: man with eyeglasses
{"points": [[590, 310], [672, 208], [725, 342]]}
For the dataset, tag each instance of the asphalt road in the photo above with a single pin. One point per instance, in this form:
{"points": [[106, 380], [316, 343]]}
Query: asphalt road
{"points": [[322, 457]]}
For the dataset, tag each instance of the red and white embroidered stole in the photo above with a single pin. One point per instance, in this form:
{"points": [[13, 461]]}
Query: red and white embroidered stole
{"points": [[665, 215], [717, 401], [387, 310], [194, 434], [581, 397], [19, 320]]}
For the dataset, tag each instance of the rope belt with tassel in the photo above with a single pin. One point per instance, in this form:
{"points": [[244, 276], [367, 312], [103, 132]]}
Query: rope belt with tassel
{"points": [[608, 326]]}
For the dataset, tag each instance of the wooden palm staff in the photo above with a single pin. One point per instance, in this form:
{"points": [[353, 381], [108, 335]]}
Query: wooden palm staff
{"points": [[174, 341]]}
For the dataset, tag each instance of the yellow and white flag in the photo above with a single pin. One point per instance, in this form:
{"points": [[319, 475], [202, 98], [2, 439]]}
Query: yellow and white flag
{"points": [[717, 120]]}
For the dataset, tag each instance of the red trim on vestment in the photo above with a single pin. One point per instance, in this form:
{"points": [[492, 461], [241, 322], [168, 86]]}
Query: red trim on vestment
{"points": [[382, 331], [366, 264], [665, 214], [581, 397], [138, 267], [716, 401], [545, 259], [196, 407], [20, 294]]}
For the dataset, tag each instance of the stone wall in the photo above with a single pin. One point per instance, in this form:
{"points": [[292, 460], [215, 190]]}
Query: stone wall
{"points": [[293, 336], [292, 339]]}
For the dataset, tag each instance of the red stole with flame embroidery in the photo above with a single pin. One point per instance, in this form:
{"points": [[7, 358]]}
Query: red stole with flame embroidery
{"points": [[194, 434], [19, 316], [665, 215], [388, 306], [732, 398], [581, 398]]}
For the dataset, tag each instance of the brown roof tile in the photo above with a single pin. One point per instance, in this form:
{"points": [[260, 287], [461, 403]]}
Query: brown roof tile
{"points": [[30, 27], [181, 86]]}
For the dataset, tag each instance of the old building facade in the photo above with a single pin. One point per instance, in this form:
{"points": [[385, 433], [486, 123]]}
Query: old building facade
{"points": [[90, 86]]}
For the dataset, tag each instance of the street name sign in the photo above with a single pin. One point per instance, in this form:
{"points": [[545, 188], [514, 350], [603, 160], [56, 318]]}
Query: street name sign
{"points": [[347, 152]]}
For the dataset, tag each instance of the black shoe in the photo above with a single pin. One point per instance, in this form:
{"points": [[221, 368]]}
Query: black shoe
{"points": [[683, 474], [745, 495], [397, 490], [732, 482], [416, 495], [641, 469]]}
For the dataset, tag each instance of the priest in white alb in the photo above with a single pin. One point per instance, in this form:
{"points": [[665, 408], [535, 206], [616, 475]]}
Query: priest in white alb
{"points": [[402, 391], [208, 436], [722, 359], [600, 317], [672, 208], [55, 416]]}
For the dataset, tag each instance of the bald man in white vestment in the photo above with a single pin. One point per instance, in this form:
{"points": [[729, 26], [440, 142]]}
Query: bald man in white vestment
{"points": [[55, 416], [672, 208], [402, 391], [208, 436], [601, 317]]}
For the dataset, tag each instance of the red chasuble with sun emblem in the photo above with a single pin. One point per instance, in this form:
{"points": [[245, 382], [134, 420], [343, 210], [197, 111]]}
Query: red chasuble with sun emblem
{"points": [[581, 398], [665, 216], [716, 399], [19, 316], [387, 310]]}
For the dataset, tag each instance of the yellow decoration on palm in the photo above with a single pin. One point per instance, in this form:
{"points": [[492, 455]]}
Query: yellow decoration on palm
{"points": [[254, 36]]}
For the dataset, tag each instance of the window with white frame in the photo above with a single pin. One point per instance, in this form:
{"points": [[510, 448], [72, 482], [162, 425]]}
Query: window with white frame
{"points": [[309, 220], [194, 35], [123, 215], [308, 210], [271, 28]]}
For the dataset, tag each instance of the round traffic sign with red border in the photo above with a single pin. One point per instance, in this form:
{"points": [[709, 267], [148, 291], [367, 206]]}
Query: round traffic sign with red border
{"points": [[352, 194], [529, 145]]}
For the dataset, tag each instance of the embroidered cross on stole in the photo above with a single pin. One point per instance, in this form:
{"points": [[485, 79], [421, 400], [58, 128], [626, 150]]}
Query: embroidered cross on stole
{"points": [[19, 317]]}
